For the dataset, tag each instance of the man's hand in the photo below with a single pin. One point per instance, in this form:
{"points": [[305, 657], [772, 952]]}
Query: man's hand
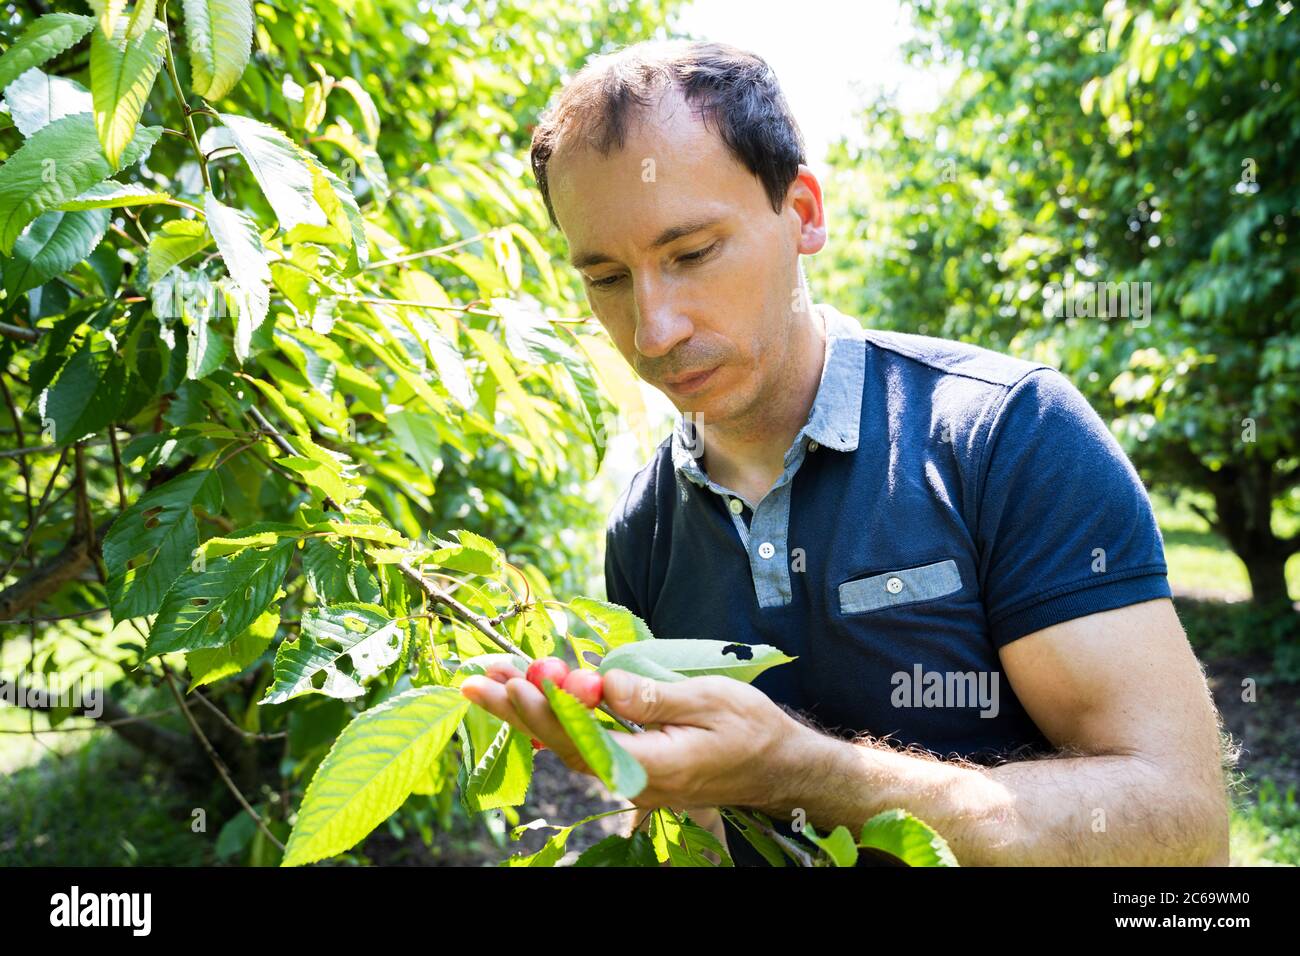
{"points": [[709, 741]]}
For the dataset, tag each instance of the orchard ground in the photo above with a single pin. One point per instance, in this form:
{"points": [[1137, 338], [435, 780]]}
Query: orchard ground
{"points": [[73, 798]]}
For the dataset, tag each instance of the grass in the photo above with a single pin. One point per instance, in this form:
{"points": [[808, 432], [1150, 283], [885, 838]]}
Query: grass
{"points": [[1266, 830], [1200, 561]]}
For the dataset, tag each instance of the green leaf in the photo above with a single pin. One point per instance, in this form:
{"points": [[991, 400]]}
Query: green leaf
{"points": [[37, 99], [108, 12], [366, 104], [142, 18], [122, 73], [200, 302], [615, 850], [60, 162], [371, 769], [220, 38], [160, 528], [281, 168], [617, 769], [365, 633], [693, 658], [241, 250], [87, 394], [210, 608], [615, 624], [176, 241], [55, 243], [760, 841], [839, 845], [47, 37], [904, 836], [209, 665], [501, 777], [686, 842], [114, 195]]}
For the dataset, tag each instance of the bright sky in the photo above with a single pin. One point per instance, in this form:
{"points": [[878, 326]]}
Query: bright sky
{"points": [[827, 55]]}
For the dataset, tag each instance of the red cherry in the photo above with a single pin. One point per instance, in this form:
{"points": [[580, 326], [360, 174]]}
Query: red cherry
{"points": [[587, 686], [537, 744], [547, 668]]}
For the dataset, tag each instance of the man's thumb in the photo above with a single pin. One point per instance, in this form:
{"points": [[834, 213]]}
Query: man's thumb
{"points": [[631, 695]]}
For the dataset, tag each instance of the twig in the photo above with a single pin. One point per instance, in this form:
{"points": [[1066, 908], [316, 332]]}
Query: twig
{"points": [[218, 762]]}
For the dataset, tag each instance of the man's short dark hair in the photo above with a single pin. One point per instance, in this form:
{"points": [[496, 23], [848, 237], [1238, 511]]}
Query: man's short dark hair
{"points": [[734, 88]]}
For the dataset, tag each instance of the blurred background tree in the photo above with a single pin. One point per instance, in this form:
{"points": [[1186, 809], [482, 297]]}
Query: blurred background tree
{"points": [[1154, 144]]}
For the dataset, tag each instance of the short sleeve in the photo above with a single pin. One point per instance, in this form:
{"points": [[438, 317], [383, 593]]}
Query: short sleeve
{"points": [[1065, 526]]}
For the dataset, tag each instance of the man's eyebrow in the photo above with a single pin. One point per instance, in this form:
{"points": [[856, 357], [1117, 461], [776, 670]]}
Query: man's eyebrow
{"points": [[671, 234]]}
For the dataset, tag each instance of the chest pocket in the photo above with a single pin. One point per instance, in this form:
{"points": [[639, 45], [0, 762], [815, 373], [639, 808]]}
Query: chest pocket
{"points": [[905, 586]]}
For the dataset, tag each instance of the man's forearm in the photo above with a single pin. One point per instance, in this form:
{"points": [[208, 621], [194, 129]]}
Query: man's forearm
{"points": [[1064, 811]]}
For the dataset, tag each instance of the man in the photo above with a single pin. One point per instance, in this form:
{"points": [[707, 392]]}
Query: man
{"points": [[949, 540]]}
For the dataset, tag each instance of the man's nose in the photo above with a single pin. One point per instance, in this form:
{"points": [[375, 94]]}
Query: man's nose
{"points": [[660, 323]]}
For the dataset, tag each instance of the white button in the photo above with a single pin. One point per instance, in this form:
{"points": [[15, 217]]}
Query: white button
{"points": [[813, 446], [765, 550], [736, 506], [894, 585]]}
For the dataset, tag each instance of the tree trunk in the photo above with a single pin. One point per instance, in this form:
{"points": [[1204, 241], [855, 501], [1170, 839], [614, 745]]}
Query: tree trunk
{"points": [[1244, 502]]}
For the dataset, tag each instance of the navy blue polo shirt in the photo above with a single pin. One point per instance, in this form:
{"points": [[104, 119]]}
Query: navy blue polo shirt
{"points": [[941, 501]]}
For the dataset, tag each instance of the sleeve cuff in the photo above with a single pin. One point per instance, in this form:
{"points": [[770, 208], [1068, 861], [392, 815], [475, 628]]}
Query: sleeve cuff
{"points": [[1088, 597]]}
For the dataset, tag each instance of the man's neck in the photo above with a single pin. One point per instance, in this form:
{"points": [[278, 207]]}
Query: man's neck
{"points": [[748, 455]]}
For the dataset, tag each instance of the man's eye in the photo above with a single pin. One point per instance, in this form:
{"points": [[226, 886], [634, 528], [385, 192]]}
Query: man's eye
{"points": [[604, 283], [699, 253]]}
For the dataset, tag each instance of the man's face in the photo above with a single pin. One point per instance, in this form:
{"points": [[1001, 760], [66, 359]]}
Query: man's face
{"points": [[684, 262]]}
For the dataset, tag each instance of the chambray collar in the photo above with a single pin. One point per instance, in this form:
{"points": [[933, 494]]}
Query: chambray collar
{"points": [[836, 412]]}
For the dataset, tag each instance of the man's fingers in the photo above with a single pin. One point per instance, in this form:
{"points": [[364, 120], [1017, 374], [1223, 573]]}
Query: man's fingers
{"points": [[533, 707], [493, 698], [501, 672]]}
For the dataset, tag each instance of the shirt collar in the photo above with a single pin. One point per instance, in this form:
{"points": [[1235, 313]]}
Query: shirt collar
{"points": [[837, 408]]}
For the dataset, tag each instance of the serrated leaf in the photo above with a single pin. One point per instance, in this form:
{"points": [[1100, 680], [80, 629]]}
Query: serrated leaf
{"points": [[122, 73], [615, 625], [47, 37], [114, 195], [173, 243], [615, 850], [209, 665], [617, 769], [371, 769], [58, 163], [365, 633], [906, 837], [281, 168], [241, 250], [501, 777], [55, 243], [37, 99], [838, 845], [694, 658], [219, 34], [211, 607], [87, 394], [160, 528]]}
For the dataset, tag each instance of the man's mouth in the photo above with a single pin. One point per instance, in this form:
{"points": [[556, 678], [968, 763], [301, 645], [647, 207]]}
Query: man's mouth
{"points": [[687, 384]]}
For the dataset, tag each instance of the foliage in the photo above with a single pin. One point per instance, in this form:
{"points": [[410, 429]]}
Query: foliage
{"points": [[1146, 152]]}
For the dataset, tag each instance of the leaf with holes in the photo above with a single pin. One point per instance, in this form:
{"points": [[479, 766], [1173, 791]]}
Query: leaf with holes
{"points": [[212, 607], [679, 659], [364, 633], [161, 531]]}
